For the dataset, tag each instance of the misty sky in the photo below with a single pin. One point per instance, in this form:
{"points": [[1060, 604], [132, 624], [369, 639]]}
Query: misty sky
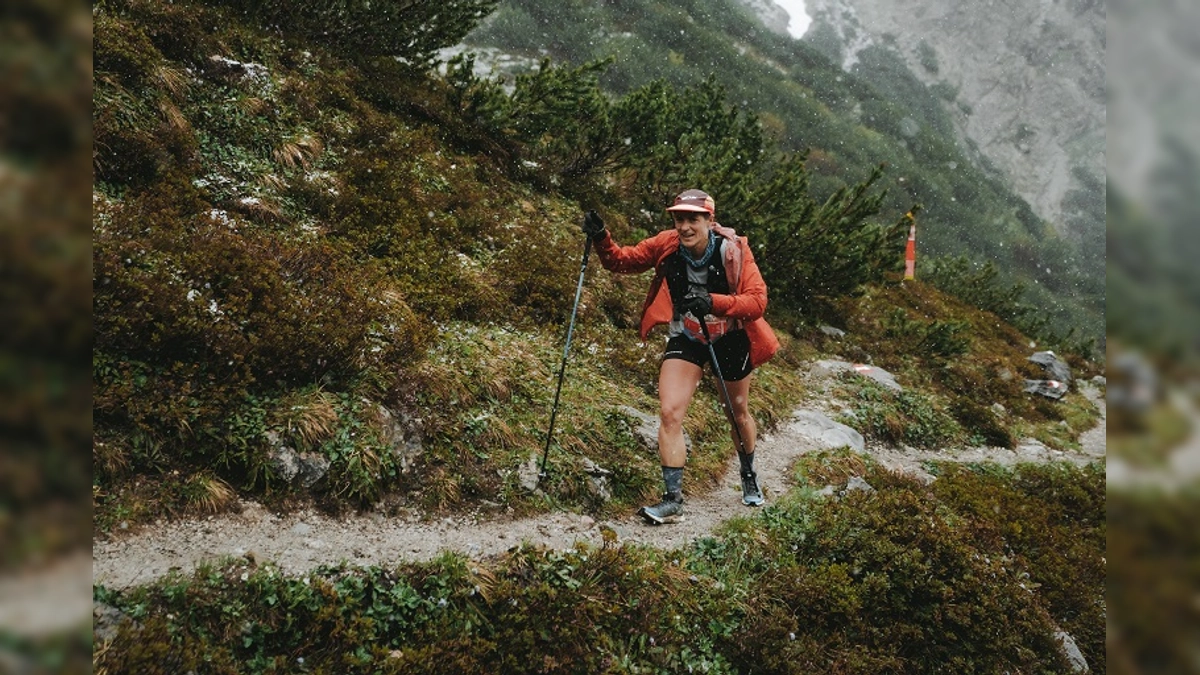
{"points": [[799, 16]]}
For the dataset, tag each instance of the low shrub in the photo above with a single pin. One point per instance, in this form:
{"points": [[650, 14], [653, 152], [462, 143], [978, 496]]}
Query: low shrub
{"points": [[202, 320], [970, 574], [1053, 519], [982, 425], [898, 417]]}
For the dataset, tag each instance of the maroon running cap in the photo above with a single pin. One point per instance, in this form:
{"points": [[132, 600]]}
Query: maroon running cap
{"points": [[694, 200]]}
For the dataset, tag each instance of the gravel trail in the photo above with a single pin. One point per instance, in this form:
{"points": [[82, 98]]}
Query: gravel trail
{"points": [[305, 539]]}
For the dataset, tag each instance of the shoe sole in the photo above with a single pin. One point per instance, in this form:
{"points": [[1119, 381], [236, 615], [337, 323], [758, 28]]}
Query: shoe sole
{"points": [[751, 502], [655, 520]]}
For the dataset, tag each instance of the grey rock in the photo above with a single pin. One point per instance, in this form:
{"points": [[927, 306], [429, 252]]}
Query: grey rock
{"points": [[106, 622], [1071, 650], [313, 469], [1054, 367], [829, 367], [527, 473], [1030, 450], [879, 375], [1049, 388], [598, 479], [282, 459], [307, 468], [858, 484], [598, 486], [823, 432], [402, 434]]}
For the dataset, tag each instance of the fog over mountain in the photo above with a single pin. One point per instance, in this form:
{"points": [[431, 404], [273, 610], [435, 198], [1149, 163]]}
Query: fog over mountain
{"points": [[1023, 80], [1152, 90]]}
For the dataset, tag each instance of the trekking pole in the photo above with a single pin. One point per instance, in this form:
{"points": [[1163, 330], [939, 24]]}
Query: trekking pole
{"points": [[725, 400], [587, 250]]}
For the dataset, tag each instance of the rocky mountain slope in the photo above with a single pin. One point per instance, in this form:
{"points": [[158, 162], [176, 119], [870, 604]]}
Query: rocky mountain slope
{"points": [[1027, 79]]}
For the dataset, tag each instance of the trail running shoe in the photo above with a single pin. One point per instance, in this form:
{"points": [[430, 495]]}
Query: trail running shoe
{"points": [[669, 510], [751, 493]]}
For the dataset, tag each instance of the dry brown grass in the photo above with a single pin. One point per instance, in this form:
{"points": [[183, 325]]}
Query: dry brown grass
{"points": [[299, 151], [173, 116], [441, 489], [833, 469], [208, 494], [252, 105], [110, 459], [308, 417], [499, 434], [173, 80], [272, 182], [259, 209]]}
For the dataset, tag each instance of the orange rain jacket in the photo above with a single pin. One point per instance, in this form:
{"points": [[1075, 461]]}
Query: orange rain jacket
{"points": [[747, 303]]}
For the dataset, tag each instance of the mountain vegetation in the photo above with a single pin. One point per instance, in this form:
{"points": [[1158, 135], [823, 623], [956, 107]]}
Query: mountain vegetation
{"points": [[813, 586], [311, 243], [847, 123]]}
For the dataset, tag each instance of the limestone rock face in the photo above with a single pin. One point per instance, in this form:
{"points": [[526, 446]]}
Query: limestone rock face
{"points": [[1029, 77]]}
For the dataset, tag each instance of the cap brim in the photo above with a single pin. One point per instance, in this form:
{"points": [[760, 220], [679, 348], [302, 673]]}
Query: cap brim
{"points": [[688, 207]]}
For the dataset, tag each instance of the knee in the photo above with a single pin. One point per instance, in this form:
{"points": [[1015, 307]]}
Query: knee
{"points": [[741, 411], [671, 417]]}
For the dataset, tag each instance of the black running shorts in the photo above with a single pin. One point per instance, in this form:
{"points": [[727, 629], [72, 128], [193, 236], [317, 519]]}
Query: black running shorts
{"points": [[733, 353]]}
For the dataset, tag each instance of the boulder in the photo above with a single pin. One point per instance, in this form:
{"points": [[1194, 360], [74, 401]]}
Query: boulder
{"points": [[1054, 389], [836, 333], [1054, 367], [1058, 376], [823, 432], [307, 468], [1071, 650], [834, 367], [402, 434]]}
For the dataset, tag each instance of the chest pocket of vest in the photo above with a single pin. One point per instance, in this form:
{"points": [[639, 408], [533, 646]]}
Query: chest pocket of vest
{"points": [[675, 272]]}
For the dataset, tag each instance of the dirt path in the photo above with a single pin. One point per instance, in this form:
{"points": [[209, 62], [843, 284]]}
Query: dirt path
{"points": [[301, 541]]}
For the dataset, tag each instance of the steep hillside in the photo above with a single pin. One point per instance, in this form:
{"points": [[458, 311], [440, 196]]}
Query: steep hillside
{"points": [[1022, 85], [847, 122], [323, 273], [1028, 82], [329, 279]]}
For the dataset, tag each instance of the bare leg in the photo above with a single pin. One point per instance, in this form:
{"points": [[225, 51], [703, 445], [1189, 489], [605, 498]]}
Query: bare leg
{"points": [[677, 382], [739, 394]]}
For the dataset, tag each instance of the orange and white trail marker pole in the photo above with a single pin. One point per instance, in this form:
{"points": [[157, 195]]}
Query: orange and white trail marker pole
{"points": [[910, 250]]}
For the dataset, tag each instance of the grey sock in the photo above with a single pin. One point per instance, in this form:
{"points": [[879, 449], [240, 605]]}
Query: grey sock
{"points": [[673, 480]]}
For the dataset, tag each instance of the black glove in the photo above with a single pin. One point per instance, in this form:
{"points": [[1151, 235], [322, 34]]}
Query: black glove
{"points": [[593, 225], [699, 303]]}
